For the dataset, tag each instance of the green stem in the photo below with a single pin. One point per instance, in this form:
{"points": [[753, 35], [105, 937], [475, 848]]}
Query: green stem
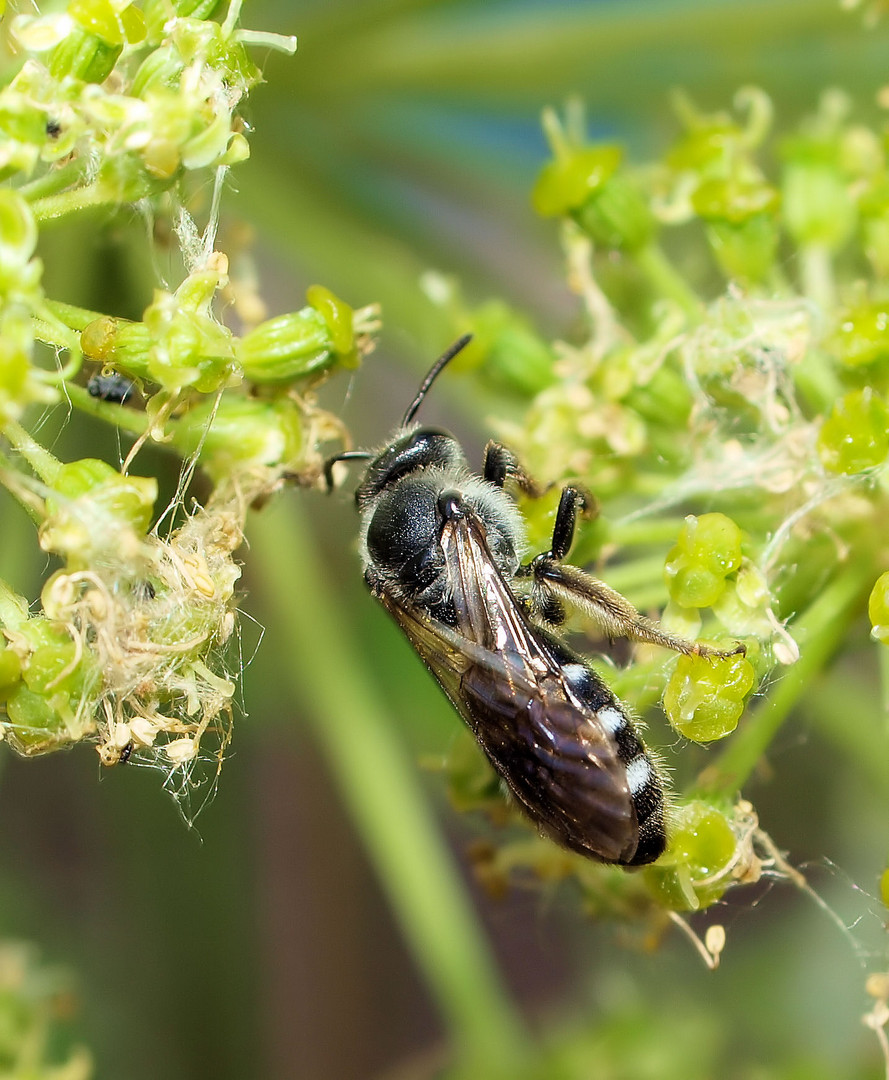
{"points": [[667, 281], [554, 133], [53, 331], [128, 419], [285, 43], [646, 597], [817, 380], [816, 271], [12, 479], [38, 457], [51, 207], [819, 631], [352, 726], [53, 181], [77, 318], [646, 530], [636, 572], [854, 742]]}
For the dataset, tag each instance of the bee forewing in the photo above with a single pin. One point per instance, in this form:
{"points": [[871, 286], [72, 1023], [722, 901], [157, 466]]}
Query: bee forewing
{"points": [[550, 748]]}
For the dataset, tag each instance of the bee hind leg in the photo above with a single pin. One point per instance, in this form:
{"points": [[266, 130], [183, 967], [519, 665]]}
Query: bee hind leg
{"points": [[553, 580]]}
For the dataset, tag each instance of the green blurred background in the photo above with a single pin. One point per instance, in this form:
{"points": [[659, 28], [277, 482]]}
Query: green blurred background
{"points": [[267, 941]]}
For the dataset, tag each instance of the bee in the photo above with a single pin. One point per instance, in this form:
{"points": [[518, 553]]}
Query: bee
{"points": [[442, 551]]}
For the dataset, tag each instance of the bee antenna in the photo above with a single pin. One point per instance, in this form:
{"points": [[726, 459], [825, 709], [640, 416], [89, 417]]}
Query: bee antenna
{"points": [[436, 369], [346, 455]]}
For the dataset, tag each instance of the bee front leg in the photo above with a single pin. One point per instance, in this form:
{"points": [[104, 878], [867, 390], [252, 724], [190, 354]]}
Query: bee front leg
{"points": [[501, 465], [555, 583]]}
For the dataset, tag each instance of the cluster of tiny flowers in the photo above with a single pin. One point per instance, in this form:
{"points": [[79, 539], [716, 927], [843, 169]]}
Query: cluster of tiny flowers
{"points": [[729, 408], [131, 649], [128, 95]]}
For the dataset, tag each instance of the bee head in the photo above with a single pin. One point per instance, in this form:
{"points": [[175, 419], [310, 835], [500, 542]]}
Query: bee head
{"points": [[411, 450]]}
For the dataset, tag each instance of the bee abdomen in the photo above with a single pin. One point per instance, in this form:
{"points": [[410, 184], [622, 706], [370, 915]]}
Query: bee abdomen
{"points": [[644, 783], [647, 792]]}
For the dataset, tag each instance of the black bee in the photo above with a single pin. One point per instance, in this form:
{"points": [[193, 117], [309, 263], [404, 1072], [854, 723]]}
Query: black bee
{"points": [[442, 551]]}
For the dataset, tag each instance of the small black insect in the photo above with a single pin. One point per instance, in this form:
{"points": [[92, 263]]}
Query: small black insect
{"points": [[114, 387], [442, 550], [125, 753]]}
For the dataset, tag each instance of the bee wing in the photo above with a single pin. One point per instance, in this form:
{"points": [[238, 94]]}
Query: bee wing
{"points": [[547, 744]]}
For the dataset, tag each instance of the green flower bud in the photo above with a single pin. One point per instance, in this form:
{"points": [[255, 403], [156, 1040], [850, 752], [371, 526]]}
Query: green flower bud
{"points": [[566, 183], [693, 872], [238, 150], [10, 671], [208, 145], [704, 146], [707, 551], [196, 292], [132, 22], [34, 726], [745, 605], [618, 216], [99, 17], [17, 158], [18, 236], [745, 251], [856, 434], [878, 609], [118, 343], [287, 347], [817, 205], [206, 43], [158, 12], [161, 69], [15, 370], [862, 335], [704, 698], [84, 55], [338, 316], [125, 178], [189, 349], [21, 119], [54, 668], [733, 200], [93, 507], [742, 226], [506, 352], [241, 434], [44, 708]]}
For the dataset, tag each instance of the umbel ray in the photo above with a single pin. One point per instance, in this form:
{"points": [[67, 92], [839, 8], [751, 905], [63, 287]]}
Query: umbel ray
{"points": [[442, 548]]}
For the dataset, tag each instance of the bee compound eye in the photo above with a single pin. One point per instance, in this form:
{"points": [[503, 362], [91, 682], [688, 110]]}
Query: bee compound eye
{"points": [[451, 505], [403, 524]]}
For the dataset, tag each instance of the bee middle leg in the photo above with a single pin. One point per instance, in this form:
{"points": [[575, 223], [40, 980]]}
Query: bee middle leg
{"points": [[555, 583]]}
